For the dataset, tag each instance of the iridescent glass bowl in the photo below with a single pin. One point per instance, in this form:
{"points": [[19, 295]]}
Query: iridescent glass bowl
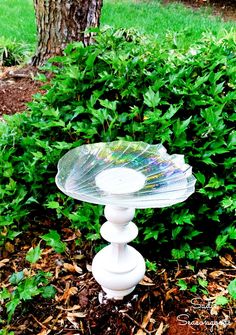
{"points": [[126, 174]]}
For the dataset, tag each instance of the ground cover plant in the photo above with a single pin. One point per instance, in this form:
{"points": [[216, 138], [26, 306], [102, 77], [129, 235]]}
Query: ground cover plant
{"points": [[126, 86]]}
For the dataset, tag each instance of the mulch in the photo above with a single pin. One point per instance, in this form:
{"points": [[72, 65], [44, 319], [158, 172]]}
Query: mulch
{"points": [[17, 86], [157, 305]]}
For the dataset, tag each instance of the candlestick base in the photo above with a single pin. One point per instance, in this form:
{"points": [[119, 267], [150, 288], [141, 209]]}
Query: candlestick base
{"points": [[118, 268]]}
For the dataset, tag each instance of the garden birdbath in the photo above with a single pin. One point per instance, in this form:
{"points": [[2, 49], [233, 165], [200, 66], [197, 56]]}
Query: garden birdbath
{"points": [[123, 176]]}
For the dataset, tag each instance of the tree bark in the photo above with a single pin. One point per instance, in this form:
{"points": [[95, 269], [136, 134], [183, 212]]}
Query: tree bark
{"points": [[60, 22]]}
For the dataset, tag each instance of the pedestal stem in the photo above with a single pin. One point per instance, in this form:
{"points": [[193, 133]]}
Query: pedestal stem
{"points": [[118, 252], [118, 267]]}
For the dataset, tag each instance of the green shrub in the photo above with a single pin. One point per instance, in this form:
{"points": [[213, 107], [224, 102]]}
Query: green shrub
{"points": [[126, 86]]}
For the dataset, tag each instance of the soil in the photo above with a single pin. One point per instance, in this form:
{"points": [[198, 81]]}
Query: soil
{"points": [[17, 86], [157, 306]]}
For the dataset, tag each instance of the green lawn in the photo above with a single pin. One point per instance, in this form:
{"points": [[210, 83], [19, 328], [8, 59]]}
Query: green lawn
{"points": [[17, 20], [154, 18]]}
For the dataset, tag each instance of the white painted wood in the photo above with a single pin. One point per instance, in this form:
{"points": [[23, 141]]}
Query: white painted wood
{"points": [[118, 268]]}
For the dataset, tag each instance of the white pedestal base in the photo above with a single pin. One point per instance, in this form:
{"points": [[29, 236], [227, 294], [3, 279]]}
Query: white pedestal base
{"points": [[118, 267]]}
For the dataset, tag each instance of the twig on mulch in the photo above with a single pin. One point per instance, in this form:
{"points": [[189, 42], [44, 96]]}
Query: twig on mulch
{"points": [[20, 75]]}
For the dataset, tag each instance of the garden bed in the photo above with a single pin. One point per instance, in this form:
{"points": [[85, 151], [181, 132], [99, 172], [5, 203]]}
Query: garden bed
{"points": [[159, 305]]}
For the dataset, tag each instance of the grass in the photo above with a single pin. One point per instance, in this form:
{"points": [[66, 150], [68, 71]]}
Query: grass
{"points": [[154, 18], [17, 21]]}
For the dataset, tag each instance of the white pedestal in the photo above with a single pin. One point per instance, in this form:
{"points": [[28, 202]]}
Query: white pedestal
{"points": [[118, 267]]}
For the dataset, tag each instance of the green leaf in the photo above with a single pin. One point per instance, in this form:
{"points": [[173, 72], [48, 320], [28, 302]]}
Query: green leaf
{"points": [[173, 109], [12, 234], [151, 234], [176, 232], [196, 254], [178, 253], [28, 289], [193, 289], [183, 217], [227, 202], [181, 126], [220, 241], [151, 99], [151, 266], [5, 294], [16, 277], [53, 240], [232, 232], [53, 205], [232, 288], [215, 183], [200, 177], [202, 282], [11, 307], [33, 254], [221, 300], [182, 284], [48, 292], [109, 104]]}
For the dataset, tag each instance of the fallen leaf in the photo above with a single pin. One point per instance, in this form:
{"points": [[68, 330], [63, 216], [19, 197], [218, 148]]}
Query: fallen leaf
{"points": [[77, 268], [28, 272], [68, 293], [216, 274], [146, 281], [77, 315], [73, 321], [57, 271], [179, 273], [144, 297], [227, 261], [168, 293], [47, 251], [156, 293], [202, 273], [69, 267], [74, 308], [9, 247], [48, 319], [4, 262]]}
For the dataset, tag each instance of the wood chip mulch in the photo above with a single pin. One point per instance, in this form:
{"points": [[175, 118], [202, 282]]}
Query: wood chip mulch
{"points": [[157, 306]]}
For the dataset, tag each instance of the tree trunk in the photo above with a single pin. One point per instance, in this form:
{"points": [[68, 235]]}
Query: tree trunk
{"points": [[60, 22]]}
